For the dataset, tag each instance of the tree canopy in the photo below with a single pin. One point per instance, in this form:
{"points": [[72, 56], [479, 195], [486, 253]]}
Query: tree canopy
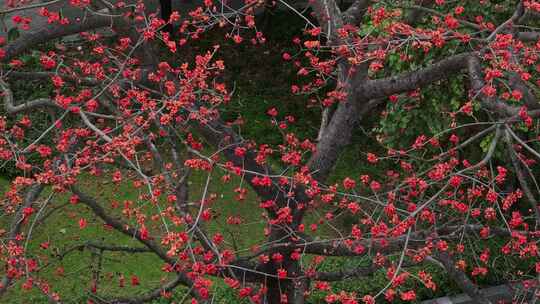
{"points": [[399, 145]]}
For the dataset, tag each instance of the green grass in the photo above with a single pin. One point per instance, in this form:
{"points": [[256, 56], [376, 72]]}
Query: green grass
{"points": [[62, 231]]}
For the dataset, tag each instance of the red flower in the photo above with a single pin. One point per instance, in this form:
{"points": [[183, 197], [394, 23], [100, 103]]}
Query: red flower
{"points": [[244, 292], [117, 177], [82, 223], [368, 299], [47, 62], [240, 151], [44, 151], [408, 296], [134, 280], [375, 186], [372, 158], [349, 183], [272, 112], [237, 39], [353, 207]]}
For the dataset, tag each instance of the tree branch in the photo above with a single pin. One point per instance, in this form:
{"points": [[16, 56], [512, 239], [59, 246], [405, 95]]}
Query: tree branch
{"points": [[522, 178], [329, 18], [355, 12], [27, 41], [528, 36], [461, 279], [518, 13], [11, 108], [147, 297], [16, 225], [116, 248], [45, 76], [488, 103], [345, 274], [410, 81]]}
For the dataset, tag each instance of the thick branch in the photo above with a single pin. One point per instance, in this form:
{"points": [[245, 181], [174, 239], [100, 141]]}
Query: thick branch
{"points": [[461, 279], [393, 244], [11, 108], [45, 76], [345, 274], [410, 81], [27, 41], [477, 83], [355, 12], [116, 248], [337, 134], [418, 11], [528, 36]]}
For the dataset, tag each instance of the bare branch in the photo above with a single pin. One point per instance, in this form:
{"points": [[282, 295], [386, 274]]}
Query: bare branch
{"points": [[345, 274], [147, 297], [11, 108], [27, 41], [522, 143], [410, 81], [105, 247], [528, 36]]}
